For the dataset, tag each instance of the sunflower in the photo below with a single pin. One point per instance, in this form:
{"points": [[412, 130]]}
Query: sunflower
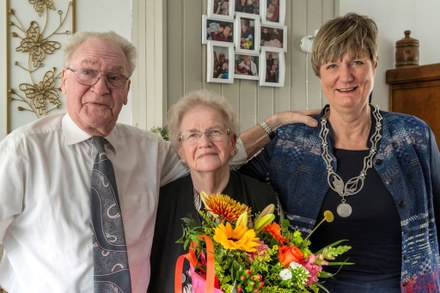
{"points": [[240, 237], [223, 206]]}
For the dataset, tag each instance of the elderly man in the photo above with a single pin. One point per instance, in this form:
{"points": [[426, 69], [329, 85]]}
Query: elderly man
{"points": [[65, 224]]}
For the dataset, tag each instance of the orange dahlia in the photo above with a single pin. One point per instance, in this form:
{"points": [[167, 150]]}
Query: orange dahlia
{"points": [[223, 206]]}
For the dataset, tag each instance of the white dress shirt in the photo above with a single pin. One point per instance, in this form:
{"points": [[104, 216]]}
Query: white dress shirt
{"points": [[45, 223]]}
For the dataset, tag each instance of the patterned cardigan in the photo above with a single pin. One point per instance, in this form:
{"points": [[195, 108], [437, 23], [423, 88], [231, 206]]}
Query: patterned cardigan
{"points": [[408, 162]]}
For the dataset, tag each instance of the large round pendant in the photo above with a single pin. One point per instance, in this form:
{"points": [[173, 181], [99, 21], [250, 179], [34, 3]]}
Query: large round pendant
{"points": [[344, 210]]}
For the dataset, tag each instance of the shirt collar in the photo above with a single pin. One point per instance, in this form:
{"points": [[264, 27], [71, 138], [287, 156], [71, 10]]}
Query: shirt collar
{"points": [[73, 134]]}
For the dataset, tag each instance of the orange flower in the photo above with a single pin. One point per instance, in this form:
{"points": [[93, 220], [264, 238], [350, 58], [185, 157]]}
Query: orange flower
{"points": [[275, 230], [223, 206], [288, 254]]}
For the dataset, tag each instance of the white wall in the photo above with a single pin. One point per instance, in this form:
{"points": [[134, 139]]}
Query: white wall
{"points": [[393, 17], [96, 15]]}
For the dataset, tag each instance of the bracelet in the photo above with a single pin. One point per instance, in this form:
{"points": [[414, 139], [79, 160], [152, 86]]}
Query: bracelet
{"points": [[267, 129]]}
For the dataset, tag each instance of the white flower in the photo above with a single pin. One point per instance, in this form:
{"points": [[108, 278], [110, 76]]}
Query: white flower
{"points": [[300, 270], [286, 274], [295, 265]]}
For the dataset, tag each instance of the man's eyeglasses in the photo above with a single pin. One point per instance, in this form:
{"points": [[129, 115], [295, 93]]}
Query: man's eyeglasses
{"points": [[91, 77], [213, 134]]}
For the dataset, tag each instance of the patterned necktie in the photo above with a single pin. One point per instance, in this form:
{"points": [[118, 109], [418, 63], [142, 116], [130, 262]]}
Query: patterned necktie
{"points": [[111, 271]]}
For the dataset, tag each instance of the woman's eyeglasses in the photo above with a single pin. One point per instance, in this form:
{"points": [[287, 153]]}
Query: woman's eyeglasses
{"points": [[213, 134]]}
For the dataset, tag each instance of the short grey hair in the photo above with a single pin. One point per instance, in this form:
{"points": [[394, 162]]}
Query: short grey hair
{"points": [[351, 33], [80, 37], [196, 98]]}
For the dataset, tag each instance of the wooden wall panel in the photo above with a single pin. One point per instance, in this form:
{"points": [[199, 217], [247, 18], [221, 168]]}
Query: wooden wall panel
{"points": [[299, 59], [148, 81], [186, 61], [190, 32], [175, 80]]}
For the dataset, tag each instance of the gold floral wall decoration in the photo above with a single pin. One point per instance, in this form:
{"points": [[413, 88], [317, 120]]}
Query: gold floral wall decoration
{"points": [[37, 30]]}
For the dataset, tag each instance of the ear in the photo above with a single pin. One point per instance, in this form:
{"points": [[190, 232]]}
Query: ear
{"points": [[180, 153], [128, 89], [63, 81], [233, 143]]}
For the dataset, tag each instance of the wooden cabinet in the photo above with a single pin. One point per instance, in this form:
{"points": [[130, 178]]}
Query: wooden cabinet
{"points": [[415, 90]]}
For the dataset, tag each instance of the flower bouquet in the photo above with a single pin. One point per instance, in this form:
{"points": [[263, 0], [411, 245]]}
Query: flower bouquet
{"points": [[232, 252]]}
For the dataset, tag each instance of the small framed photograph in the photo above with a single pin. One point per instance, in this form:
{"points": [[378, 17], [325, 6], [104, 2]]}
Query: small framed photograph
{"points": [[272, 67], [248, 6], [220, 30], [221, 8], [247, 33], [273, 36], [273, 11], [220, 62], [246, 66]]}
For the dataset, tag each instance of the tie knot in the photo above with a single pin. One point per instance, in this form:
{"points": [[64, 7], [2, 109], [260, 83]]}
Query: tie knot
{"points": [[98, 143]]}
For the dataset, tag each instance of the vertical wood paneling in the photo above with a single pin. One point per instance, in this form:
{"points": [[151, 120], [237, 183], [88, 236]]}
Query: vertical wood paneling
{"points": [[248, 103], [314, 20], [316, 14], [175, 51], [298, 29], [266, 102], [186, 59], [140, 105], [157, 55], [149, 80], [282, 95], [329, 11], [232, 93], [192, 44]]}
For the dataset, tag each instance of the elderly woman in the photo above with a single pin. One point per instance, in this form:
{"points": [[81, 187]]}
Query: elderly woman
{"points": [[378, 171], [203, 128]]}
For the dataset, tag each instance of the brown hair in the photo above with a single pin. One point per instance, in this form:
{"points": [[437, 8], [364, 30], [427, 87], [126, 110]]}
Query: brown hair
{"points": [[351, 33]]}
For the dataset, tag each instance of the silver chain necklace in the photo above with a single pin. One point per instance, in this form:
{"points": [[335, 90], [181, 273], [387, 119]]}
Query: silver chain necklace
{"points": [[354, 184]]}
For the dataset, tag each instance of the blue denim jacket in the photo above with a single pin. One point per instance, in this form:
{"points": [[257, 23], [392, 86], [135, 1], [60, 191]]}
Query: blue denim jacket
{"points": [[408, 162]]}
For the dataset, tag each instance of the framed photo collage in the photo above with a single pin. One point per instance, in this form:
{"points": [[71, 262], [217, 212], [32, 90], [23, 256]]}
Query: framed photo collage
{"points": [[246, 39]]}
